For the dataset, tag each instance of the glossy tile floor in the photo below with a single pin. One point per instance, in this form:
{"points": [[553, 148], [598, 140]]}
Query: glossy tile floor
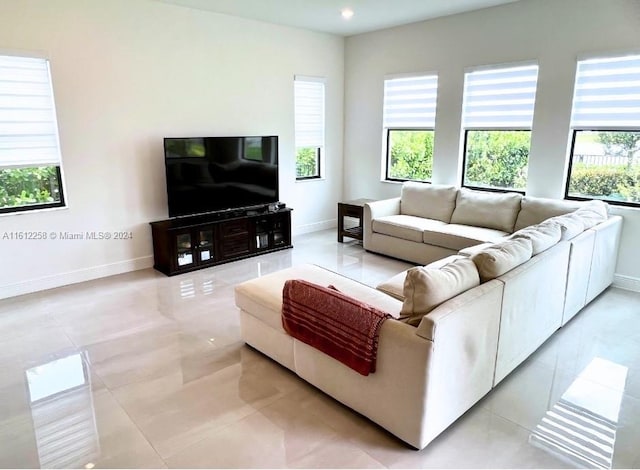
{"points": [[142, 370]]}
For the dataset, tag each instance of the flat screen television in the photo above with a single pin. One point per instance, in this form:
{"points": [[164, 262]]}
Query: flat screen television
{"points": [[210, 174]]}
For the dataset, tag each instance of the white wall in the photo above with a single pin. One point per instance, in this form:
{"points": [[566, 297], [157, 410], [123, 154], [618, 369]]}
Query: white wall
{"points": [[128, 73], [552, 32]]}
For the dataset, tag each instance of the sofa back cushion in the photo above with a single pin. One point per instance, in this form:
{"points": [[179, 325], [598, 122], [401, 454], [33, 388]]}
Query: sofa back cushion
{"points": [[543, 236], [486, 209], [534, 210], [394, 286], [502, 257], [571, 225], [592, 213], [425, 288], [431, 201]]}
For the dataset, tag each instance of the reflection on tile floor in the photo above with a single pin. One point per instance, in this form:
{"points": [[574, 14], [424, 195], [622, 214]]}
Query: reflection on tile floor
{"points": [[142, 370]]}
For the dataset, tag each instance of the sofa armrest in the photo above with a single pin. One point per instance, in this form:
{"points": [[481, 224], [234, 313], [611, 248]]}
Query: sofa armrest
{"points": [[373, 210], [394, 396], [467, 310], [605, 255], [465, 332]]}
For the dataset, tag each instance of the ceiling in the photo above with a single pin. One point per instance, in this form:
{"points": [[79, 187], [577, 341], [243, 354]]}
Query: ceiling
{"points": [[324, 15]]}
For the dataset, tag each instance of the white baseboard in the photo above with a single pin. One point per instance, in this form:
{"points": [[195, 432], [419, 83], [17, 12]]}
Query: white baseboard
{"points": [[315, 227], [626, 282], [96, 272], [73, 277]]}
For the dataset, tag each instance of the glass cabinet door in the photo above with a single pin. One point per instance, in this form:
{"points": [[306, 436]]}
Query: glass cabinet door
{"points": [[279, 230], [262, 234], [184, 249], [205, 245]]}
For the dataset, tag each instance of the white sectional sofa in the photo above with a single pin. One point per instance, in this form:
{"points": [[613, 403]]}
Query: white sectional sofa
{"points": [[440, 354]]}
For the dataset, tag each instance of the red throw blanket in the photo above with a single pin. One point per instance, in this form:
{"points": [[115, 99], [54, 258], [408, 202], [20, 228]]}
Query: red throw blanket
{"points": [[344, 328]]}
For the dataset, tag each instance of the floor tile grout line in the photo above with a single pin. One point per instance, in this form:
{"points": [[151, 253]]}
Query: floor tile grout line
{"points": [[114, 397], [221, 428], [133, 421]]}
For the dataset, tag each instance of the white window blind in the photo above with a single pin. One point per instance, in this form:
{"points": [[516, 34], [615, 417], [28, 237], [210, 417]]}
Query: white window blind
{"points": [[28, 127], [410, 102], [309, 111], [607, 93], [500, 98]]}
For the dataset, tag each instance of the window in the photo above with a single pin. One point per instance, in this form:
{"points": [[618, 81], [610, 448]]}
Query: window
{"points": [[309, 126], [496, 118], [605, 127], [30, 176], [409, 119]]}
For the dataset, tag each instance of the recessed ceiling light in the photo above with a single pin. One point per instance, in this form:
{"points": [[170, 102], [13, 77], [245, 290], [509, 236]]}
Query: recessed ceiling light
{"points": [[347, 13]]}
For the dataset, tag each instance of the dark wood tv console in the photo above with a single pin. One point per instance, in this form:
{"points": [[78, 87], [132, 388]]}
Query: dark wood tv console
{"points": [[185, 244]]}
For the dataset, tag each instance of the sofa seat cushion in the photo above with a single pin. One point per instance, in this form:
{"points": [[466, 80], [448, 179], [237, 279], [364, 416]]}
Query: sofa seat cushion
{"points": [[427, 287], [501, 258], [456, 237], [429, 201], [395, 285], [262, 297], [543, 236], [486, 209], [407, 227]]}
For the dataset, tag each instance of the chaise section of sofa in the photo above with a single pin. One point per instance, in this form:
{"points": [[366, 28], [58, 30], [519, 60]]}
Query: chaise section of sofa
{"points": [[262, 297], [426, 376]]}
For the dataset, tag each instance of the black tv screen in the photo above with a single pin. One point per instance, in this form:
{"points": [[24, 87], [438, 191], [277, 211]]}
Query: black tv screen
{"points": [[208, 174]]}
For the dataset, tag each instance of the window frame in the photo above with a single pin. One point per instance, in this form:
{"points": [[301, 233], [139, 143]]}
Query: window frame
{"points": [[465, 130], [319, 148], [392, 179], [386, 129], [464, 160], [586, 127], [318, 174], [574, 133], [40, 206], [62, 203]]}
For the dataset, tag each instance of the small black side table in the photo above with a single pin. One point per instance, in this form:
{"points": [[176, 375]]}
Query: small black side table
{"points": [[353, 209]]}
